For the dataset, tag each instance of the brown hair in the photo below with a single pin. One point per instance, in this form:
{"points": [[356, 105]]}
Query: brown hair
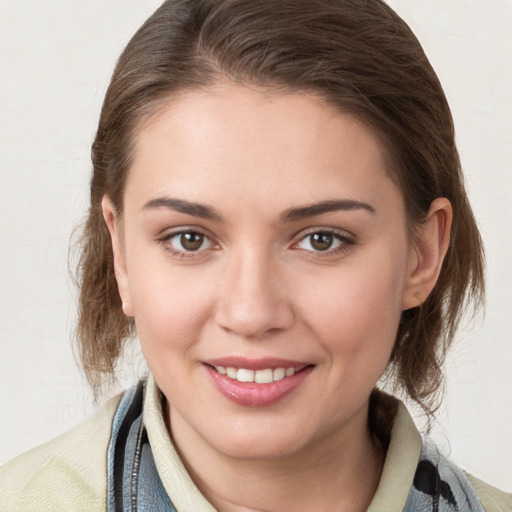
{"points": [[356, 54]]}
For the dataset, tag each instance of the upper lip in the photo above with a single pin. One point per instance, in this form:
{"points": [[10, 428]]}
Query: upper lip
{"points": [[256, 364]]}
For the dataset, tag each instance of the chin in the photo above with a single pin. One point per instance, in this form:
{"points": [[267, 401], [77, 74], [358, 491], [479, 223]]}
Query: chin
{"points": [[260, 444], [259, 450]]}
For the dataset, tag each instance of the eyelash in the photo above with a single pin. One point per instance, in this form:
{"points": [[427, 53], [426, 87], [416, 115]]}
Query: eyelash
{"points": [[344, 243]]}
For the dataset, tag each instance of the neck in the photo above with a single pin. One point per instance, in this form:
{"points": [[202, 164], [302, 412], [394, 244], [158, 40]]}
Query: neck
{"points": [[339, 472]]}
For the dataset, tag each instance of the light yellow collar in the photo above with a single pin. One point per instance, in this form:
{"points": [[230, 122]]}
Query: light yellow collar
{"points": [[184, 494], [400, 465]]}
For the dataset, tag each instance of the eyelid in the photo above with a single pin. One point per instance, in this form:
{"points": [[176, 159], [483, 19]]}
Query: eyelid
{"points": [[168, 233], [343, 233]]}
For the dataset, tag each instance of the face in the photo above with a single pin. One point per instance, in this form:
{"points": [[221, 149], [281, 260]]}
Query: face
{"points": [[265, 259]]}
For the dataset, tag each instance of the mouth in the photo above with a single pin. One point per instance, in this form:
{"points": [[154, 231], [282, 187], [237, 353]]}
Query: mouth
{"points": [[257, 383], [262, 376]]}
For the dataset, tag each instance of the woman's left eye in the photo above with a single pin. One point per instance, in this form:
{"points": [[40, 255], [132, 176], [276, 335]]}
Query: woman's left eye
{"points": [[188, 242], [322, 241]]}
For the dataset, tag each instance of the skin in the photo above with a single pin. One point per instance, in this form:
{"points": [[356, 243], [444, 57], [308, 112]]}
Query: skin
{"points": [[257, 287]]}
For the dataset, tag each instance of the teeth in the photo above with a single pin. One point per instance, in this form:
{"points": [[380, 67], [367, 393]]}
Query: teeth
{"points": [[279, 373], [244, 375], [265, 376]]}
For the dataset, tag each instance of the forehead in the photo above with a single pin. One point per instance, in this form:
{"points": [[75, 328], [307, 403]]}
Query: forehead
{"points": [[235, 140]]}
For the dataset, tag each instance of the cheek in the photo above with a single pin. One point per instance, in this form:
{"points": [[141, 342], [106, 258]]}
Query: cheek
{"points": [[170, 304], [357, 308]]}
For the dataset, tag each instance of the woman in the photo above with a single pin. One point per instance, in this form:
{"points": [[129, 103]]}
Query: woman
{"points": [[277, 211]]}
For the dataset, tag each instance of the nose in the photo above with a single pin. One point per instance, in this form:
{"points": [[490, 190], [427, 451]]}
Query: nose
{"points": [[252, 298]]}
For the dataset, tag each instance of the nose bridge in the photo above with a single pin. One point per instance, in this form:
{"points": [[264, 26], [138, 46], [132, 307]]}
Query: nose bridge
{"points": [[253, 299]]}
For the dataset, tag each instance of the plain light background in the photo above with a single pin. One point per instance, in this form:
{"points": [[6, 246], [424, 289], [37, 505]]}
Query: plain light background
{"points": [[56, 58]]}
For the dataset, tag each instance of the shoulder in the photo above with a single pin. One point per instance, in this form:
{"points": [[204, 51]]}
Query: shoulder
{"points": [[67, 473], [491, 498], [417, 475]]}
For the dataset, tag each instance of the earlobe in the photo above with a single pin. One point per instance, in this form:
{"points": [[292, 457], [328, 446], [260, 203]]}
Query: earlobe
{"points": [[112, 221], [427, 253]]}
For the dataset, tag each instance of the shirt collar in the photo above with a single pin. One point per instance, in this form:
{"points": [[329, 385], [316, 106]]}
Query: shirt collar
{"points": [[177, 482], [400, 465]]}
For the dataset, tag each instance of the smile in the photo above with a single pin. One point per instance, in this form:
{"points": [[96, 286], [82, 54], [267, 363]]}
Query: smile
{"points": [[263, 376], [256, 383]]}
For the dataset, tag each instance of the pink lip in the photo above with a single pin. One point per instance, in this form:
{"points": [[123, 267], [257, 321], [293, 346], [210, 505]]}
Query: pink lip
{"points": [[256, 364], [257, 395]]}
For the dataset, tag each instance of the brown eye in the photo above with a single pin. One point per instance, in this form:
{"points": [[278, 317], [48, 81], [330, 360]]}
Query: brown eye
{"points": [[191, 241], [321, 241], [329, 242], [188, 242]]}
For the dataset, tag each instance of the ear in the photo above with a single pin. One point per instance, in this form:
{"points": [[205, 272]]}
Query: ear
{"points": [[427, 253], [111, 218]]}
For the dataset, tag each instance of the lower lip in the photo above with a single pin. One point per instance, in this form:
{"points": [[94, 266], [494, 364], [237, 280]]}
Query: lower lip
{"points": [[256, 395]]}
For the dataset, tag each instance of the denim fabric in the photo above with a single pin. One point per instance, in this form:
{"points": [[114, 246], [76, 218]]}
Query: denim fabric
{"points": [[122, 408], [141, 487]]}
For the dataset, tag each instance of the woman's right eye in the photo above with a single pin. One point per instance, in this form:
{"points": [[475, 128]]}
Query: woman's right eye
{"points": [[186, 242]]}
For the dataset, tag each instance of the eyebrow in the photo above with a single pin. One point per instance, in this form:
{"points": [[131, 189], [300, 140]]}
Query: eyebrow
{"points": [[180, 205], [290, 215], [332, 205]]}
